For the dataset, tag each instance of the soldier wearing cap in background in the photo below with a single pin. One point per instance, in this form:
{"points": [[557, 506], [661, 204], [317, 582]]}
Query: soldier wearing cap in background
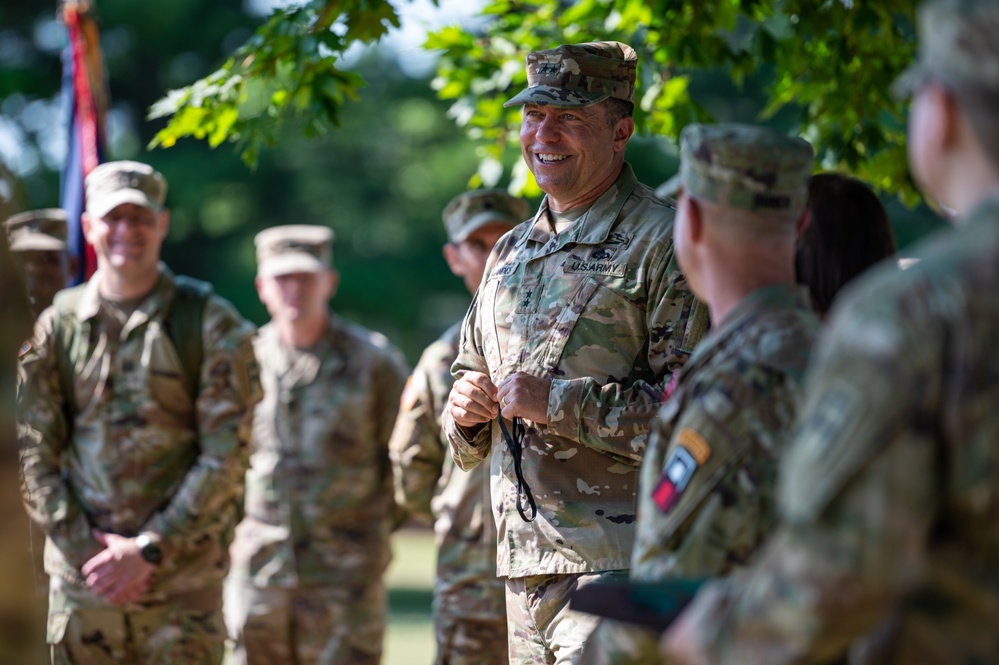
{"points": [[705, 496], [888, 493], [469, 600], [22, 624], [38, 244], [133, 406], [310, 554], [580, 321]]}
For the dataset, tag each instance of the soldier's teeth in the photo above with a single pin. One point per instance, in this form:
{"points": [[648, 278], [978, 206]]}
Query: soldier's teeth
{"points": [[546, 157]]}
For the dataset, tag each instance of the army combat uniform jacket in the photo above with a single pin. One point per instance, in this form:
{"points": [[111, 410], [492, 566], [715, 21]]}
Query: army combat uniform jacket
{"points": [[127, 449], [706, 490], [430, 486], [888, 496], [603, 311], [319, 505]]}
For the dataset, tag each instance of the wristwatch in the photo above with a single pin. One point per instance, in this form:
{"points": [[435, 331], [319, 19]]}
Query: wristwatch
{"points": [[149, 548]]}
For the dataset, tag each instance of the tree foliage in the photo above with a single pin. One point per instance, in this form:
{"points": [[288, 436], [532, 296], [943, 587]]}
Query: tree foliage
{"points": [[288, 68], [825, 65], [819, 68]]}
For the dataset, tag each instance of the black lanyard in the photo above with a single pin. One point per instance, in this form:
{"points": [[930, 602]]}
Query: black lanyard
{"points": [[515, 444]]}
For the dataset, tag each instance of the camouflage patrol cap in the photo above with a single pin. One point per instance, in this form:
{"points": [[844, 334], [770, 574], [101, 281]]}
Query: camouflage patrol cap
{"points": [[579, 75], [958, 44], [42, 230], [114, 183], [282, 250], [743, 166], [468, 212]]}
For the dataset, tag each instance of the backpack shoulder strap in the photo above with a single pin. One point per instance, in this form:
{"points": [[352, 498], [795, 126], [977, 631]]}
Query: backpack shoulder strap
{"points": [[183, 325], [68, 333]]}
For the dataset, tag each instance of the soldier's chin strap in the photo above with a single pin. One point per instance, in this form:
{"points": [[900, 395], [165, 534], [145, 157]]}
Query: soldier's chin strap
{"points": [[515, 444]]}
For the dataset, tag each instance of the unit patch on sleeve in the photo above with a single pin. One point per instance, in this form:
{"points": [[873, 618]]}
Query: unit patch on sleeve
{"points": [[691, 452]]}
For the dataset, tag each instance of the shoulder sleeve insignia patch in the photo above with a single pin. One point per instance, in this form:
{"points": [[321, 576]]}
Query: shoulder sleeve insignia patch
{"points": [[680, 466], [695, 444]]}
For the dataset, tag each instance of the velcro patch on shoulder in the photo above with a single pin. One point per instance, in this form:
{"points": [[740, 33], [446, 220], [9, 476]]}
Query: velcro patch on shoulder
{"points": [[677, 471]]}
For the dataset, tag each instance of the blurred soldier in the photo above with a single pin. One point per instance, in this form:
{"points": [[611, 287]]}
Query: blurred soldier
{"points": [[705, 496], [134, 399], [580, 322], [22, 629], [309, 557], [469, 604], [888, 494], [38, 247], [38, 242]]}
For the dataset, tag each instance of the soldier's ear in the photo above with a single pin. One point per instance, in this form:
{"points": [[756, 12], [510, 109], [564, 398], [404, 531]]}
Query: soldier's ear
{"points": [[451, 256], [695, 221], [333, 282]]}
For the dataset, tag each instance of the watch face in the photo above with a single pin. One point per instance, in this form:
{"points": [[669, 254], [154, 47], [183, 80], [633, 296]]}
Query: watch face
{"points": [[149, 550]]}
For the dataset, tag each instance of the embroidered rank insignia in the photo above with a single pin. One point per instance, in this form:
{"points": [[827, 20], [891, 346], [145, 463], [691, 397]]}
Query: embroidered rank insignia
{"points": [[692, 451]]}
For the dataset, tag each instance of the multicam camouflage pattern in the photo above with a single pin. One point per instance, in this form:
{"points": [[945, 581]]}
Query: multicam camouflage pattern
{"points": [[730, 413], [543, 600], [139, 454], [134, 452], [291, 248], [41, 230], [341, 624], [470, 211], [888, 492], [319, 506], [22, 625], [182, 628], [603, 311], [469, 599], [111, 184], [579, 75], [957, 45], [743, 166]]}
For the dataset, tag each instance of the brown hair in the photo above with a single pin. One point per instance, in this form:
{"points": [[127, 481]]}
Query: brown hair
{"points": [[847, 233]]}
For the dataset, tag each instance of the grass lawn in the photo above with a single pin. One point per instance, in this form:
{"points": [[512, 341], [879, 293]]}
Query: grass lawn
{"points": [[410, 636]]}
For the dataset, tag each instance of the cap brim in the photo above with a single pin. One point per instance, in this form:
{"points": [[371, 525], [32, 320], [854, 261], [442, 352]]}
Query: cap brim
{"points": [[547, 95], [483, 220], [38, 243], [671, 187], [287, 264], [102, 205]]}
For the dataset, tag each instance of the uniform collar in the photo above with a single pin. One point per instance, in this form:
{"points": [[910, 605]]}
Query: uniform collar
{"points": [[782, 296], [595, 225], [90, 301]]}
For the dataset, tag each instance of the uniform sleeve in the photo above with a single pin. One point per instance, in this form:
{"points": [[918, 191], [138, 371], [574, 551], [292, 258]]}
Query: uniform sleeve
{"points": [[416, 447], [705, 508], [614, 416], [43, 434], [229, 389], [858, 495], [391, 379], [469, 452]]}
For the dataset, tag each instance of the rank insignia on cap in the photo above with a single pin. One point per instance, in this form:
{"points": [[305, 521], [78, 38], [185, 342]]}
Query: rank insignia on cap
{"points": [[679, 468]]}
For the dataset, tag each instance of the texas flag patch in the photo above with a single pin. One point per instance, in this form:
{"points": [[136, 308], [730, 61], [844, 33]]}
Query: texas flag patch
{"points": [[680, 466]]}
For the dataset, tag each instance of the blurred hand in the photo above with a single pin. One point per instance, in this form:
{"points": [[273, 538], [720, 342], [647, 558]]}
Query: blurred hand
{"points": [[526, 396], [679, 645], [118, 573], [472, 400]]}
